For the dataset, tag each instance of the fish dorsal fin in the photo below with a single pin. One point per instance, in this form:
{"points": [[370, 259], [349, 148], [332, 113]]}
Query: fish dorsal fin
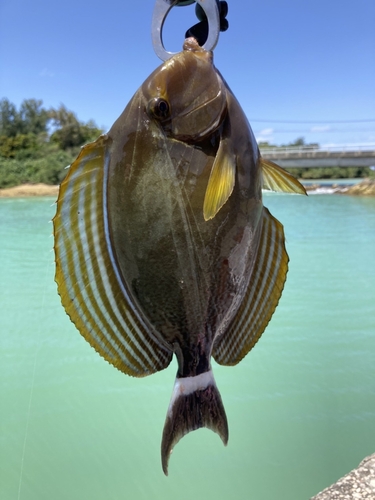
{"points": [[261, 297], [87, 274], [276, 178], [222, 178]]}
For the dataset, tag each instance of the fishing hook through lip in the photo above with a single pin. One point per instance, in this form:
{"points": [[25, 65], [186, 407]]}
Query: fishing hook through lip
{"points": [[161, 10]]}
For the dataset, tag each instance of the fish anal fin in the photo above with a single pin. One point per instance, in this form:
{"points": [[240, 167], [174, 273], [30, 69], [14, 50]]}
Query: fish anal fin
{"points": [[261, 298], [195, 403], [222, 178], [276, 178], [88, 279]]}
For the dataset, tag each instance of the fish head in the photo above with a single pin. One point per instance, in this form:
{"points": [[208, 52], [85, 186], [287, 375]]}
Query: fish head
{"points": [[186, 95]]}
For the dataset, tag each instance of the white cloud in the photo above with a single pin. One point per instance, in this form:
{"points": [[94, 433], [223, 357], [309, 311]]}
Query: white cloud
{"points": [[266, 131], [264, 135]]}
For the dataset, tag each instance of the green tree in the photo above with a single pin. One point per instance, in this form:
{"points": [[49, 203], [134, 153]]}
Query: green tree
{"points": [[265, 144], [28, 153], [33, 116], [10, 123], [300, 141], [69, 131], [19, 146]]}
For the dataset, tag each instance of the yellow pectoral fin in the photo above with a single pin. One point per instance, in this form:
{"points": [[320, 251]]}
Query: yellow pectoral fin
{"points": [[221, 181], [276, 178]]}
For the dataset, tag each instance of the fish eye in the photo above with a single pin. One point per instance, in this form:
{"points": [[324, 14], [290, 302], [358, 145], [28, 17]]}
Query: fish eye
{"points": [[159, 108]]}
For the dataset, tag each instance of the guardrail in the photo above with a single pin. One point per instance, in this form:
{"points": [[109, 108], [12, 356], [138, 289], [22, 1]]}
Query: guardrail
{"points": [[356, 150], [330, 156]]}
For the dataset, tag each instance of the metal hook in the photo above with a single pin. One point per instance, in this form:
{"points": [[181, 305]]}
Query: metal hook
{"points": [[161, 10]]}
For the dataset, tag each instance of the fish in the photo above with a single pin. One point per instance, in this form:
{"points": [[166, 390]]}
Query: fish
{"points": [[162, 244]]}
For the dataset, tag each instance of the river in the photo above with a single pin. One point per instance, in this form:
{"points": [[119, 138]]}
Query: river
{"points": [[300, 406]]}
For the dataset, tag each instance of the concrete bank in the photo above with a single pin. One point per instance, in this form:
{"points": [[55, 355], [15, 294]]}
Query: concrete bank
{"points": [[359, 484]]}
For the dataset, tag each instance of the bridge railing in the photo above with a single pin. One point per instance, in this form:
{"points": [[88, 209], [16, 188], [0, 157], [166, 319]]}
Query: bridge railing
{"points": [[355, 150]]}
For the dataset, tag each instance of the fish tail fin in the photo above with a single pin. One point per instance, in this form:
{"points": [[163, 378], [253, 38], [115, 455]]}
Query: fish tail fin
{"points": [[195, 403]]}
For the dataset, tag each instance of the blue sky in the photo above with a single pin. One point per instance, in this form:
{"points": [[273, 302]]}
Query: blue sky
{"points": [[285, 60]]}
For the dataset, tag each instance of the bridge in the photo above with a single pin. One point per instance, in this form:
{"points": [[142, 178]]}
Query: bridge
{"points": [[311, 156]]}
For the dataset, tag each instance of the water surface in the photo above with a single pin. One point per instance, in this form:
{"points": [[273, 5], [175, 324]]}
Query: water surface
{"points": [[300, 406]]}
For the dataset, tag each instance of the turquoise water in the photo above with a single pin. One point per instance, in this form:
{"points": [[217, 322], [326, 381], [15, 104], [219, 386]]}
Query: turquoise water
{"points": [[301, 405]]}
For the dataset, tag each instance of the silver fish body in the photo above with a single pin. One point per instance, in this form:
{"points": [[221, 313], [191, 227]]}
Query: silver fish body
{"points": [[163, 244]]}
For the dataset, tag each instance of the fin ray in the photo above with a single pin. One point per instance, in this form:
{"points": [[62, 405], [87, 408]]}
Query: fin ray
{"points": [[276, 178], [261, 298]]}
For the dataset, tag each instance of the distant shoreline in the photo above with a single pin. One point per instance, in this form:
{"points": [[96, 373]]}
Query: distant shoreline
{"points": [[26, 190], [365, 187]]}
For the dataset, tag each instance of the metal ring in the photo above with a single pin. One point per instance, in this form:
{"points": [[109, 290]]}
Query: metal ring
{"points": [[161, 9]]}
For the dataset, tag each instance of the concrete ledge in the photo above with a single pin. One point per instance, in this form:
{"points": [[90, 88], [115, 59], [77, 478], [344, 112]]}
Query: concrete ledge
{"points": [[359, 484]]}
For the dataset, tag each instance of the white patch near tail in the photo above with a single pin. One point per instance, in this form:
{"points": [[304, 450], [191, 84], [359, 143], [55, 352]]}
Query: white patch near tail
{"points": [[188, 385]]}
